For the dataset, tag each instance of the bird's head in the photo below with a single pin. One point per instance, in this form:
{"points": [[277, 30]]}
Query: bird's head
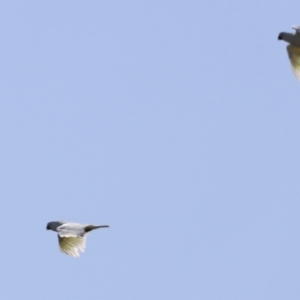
{"points": [[53, 225], [293, 39], [280, 36]]}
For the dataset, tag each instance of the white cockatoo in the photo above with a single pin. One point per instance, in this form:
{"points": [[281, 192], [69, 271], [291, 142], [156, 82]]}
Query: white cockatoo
{"points": [[293, 48], [72, 236]]}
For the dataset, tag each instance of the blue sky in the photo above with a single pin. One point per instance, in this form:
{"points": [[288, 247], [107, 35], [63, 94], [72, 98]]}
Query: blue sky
{"points": [[174, 122]]}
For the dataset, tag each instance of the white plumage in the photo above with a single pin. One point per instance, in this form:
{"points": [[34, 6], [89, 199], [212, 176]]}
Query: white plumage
{"points": [[293, 48], [72, 236]]}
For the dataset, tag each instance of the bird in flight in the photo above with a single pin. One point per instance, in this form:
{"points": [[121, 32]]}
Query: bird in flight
{"points": [[293, 48], [72, 236]]}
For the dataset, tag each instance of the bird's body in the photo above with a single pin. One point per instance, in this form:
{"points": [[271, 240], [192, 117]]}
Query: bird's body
{"points": [[293, 48], [72, 236]]}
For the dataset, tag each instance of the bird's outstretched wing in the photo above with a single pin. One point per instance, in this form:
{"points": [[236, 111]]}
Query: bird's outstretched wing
{"points": [[71, 245], [294, 55]]}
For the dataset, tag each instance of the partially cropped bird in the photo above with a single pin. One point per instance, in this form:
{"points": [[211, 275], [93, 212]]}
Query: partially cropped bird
{"points": [[72, 236], [293, 48]]}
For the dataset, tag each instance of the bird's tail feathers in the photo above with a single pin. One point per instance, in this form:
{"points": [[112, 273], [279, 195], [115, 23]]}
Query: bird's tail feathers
{"points": [[92, 227]]}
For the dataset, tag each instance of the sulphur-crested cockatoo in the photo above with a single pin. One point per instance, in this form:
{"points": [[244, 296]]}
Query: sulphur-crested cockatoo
{"points": [[293, 48], [72, 236]]}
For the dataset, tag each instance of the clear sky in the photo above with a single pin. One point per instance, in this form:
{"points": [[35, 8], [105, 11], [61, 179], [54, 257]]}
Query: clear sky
{"points": [[177, 123]]}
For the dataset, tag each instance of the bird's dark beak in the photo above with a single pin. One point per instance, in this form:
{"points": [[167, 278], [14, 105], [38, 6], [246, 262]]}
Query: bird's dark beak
{"points": [[280, 36], [48, 227]]}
